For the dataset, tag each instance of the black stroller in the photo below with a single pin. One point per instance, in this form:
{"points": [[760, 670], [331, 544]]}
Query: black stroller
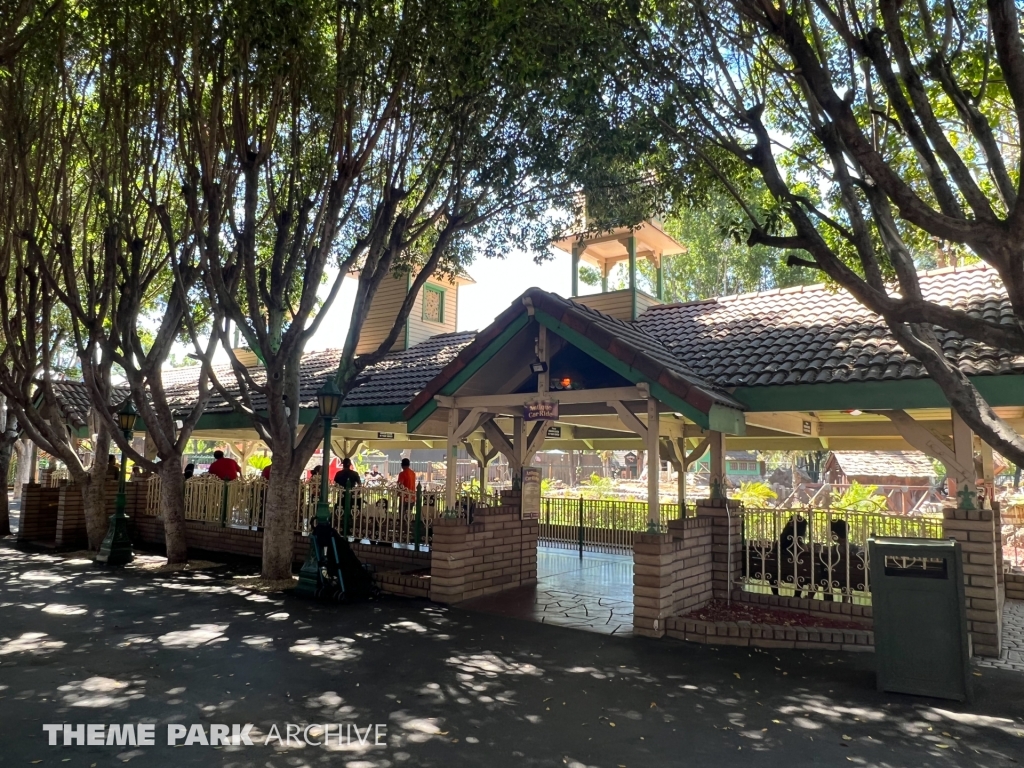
{"points": [[340, 575]]}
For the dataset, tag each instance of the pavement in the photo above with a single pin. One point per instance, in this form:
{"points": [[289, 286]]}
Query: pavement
{"points": [[594, 593], [1012, 656], [448, 687]]}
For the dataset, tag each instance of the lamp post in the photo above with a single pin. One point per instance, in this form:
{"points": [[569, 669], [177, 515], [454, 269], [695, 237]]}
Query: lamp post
{"points": [[116, 548], [329, 401]]}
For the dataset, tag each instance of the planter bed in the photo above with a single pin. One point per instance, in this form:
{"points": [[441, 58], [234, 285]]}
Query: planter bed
{"points": [[753, 625]]}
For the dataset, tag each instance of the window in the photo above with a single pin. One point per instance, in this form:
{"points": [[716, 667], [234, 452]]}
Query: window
{"points": [[433, 304]]}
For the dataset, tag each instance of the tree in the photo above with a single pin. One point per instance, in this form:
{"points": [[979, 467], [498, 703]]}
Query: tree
{"points": [[38, 173], [877, 128], [327, 139]]}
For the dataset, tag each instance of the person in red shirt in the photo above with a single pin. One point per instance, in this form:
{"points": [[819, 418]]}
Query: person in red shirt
{"points": [[224, 468], [407, 478], [266, 472]]}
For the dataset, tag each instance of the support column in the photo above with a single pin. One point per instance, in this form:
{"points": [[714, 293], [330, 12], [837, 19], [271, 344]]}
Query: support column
{"points": [[631, 250], [660, 271], [716, 479], [988, 476], [653, 466], [577, 251], [962, 474], [451, 462]]}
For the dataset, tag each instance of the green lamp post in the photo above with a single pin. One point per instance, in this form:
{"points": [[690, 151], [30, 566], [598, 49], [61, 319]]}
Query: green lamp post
{"points": [[329, 401], [116, 548]]}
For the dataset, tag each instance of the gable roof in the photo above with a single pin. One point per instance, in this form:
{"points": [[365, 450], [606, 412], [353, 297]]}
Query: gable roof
{"points": [[626, 343], [883, 463], [811, 334]]}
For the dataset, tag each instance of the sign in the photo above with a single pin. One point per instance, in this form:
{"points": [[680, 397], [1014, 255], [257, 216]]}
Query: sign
{"points": [[553, 432], [531, 493], [385, 435], [806, 427], [540, 410]]}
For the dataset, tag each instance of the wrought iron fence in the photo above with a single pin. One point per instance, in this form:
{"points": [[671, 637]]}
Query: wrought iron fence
{"points": [[604, 525], [1012, 538], [819, 553]]}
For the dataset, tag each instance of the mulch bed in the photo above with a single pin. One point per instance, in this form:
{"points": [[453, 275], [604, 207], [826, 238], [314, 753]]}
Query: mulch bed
{"points": [[718, 610]]}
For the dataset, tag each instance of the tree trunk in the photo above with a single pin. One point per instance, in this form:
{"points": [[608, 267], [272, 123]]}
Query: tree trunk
{"points": [[6, 446], [94, 493], [24, 449], [279, 522], [172, 508]]}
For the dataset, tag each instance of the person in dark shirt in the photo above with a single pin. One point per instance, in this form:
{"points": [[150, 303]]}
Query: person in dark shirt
{"points": [[347, 476]]}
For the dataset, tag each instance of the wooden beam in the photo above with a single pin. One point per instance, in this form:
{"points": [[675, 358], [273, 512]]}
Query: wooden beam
{"points": [[469, 424], [501, 442], [629, 419], [537, 437], [568, 397], [802, 424], [935, 446]]}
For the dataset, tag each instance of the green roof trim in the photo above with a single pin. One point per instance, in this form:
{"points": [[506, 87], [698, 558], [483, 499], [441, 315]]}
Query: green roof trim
{"points": [[471, 368], [720, 418], [1003, 390]]}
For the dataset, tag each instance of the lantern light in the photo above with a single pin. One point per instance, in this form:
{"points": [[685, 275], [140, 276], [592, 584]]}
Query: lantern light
{"points": [[127, 415], [329, 399]]}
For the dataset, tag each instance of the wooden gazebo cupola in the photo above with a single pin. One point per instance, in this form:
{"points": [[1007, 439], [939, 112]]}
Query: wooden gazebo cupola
{"points": [[604, 250]]}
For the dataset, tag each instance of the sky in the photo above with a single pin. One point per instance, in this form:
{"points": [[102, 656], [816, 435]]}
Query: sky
{"points": [[499, 282]]}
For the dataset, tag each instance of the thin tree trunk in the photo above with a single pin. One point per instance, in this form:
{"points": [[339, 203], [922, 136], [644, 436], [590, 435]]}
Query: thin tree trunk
{"points": [[172, 508], [279, 522], [24, 449], [6, 447]]}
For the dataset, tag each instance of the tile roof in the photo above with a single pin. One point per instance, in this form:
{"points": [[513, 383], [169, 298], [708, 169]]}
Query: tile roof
{"points": [[810, 334], [74, 402], [395, 380], [883, 464], [627, 342]]}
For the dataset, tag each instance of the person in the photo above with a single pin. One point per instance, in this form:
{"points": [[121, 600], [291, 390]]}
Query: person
{"points": [[112, 466], [374, 477], [224, 468], [266, 472], [407, 478], [190, 469], [347, 475]]}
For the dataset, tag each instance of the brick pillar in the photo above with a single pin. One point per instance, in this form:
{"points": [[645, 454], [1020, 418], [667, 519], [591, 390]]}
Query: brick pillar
{"points": [[451, 560], [654, 580], [976, 531], [71, 530], [726, 543], [38, 520]]}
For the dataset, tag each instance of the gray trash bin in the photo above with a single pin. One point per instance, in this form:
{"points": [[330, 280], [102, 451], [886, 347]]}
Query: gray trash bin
{"points": [[917, 595]]}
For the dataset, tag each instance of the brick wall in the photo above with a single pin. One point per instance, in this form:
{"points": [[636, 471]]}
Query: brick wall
{"points": [[976, 531], [498, 551], [672, 573], [727, 544], [862, 614], [39, 509], [1014, 586]]}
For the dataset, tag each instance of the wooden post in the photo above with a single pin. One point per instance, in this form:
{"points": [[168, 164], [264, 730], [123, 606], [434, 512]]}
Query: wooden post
{"points": [[631, 250], [653, 466], [661, 278], [988, 475], [716, 478], [544, 377], [451, 466], [963, 448], [577, 251]]}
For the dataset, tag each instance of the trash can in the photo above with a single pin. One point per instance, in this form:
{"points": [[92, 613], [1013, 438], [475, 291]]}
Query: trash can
{"points": [[917, 595]]}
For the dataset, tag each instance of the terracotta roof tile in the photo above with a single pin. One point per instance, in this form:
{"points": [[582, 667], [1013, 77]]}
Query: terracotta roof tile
{"points": [[790, 330]]}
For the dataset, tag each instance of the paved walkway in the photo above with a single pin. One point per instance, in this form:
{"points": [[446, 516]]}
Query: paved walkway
{"points": [[452, 688], [1013, 639], [594, 594]]}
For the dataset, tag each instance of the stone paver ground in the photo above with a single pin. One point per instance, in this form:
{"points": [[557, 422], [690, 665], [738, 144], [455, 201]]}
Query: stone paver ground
{"points": [[594, 594], [453, 688], [1012, 656]]}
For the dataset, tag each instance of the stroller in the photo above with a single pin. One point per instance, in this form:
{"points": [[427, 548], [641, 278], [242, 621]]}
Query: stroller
{"points": [[340, 575]]}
